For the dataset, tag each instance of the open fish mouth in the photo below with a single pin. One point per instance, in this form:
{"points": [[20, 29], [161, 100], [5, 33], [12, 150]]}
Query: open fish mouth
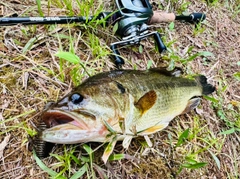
{"points": [[69, 128], [54, 118]]}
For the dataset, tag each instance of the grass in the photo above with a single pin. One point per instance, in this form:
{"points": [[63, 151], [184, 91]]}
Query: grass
{"points": [[41, 63]]}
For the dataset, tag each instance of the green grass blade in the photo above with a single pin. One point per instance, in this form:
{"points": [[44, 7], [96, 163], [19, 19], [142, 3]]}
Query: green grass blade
{"points": [[75, 159], [182, 137], [212, 99], [39, 7], [230, 131], [30, 43], [215, 159], [18, 116], [194, 166], [108, 126], [45, 168], [237, 75], [80, 172], [69, 57], [206, 54], [171, 26], [116, 157], [88, 149]]}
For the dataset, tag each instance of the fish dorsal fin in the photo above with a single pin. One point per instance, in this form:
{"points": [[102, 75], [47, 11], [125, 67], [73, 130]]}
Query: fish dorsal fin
{"points": [[176, 72], [146, 101]]}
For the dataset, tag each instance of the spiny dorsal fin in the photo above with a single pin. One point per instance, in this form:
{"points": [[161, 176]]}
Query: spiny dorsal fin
{"points": [[176, 72], [146, 101]]}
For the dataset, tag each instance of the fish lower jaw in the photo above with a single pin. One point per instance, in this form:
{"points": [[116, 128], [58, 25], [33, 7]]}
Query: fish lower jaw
{"points": [[73, 137]]}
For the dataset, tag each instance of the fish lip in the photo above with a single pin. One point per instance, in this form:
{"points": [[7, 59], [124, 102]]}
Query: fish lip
{"points": [[56, 117], [69, 127]]}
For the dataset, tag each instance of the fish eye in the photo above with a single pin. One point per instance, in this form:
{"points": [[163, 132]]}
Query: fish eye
{"points": [[76, 98]]}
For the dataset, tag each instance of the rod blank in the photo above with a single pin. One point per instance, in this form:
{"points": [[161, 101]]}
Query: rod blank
{"points": [[8, 21]]}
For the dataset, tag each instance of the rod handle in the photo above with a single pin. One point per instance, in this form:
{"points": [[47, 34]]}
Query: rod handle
{"points": [[197, 17], [159, 16]]}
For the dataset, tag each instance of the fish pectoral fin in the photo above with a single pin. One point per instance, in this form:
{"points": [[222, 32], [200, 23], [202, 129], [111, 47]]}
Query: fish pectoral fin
{"points": [[192, 104], [146, 101]]}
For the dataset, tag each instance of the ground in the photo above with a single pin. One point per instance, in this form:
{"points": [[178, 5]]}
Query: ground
{"points": [[31, 75]]}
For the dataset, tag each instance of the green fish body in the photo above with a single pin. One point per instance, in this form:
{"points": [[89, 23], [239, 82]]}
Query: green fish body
{"points": [[122, 103]]}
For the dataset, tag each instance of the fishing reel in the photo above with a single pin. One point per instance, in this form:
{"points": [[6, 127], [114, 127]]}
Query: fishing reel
{"points": [[131, 19]]}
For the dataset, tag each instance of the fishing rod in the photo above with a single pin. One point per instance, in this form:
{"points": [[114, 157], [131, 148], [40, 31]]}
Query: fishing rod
{"points": [[132, 16]]}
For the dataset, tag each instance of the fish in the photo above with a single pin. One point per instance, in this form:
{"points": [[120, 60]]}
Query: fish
{"points": [[120, 105]]}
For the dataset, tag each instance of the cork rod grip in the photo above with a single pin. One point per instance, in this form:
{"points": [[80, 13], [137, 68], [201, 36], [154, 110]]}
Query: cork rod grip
{"points": [[159, 16]]}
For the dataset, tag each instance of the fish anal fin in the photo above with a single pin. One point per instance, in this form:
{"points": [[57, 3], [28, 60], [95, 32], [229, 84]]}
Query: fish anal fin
{"points": [[192, 104], [146, 101], [152, 130]]}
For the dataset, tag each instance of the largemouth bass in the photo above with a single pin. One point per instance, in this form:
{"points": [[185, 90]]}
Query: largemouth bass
{"points": [[122, 104]]}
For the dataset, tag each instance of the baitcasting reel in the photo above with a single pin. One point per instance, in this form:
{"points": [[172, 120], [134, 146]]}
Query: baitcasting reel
{"points": [[132, 26]]}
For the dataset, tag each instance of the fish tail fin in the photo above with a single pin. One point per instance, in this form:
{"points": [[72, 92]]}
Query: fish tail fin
{"points": [[206, 87]]}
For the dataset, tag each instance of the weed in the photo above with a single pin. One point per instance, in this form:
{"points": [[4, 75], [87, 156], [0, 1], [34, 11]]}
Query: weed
{"points": [[39, 7], [199, 29], [212, 2], [65, 163], [192, 137], [187, 57], [65, 160], [228, 114], [179, 7]]}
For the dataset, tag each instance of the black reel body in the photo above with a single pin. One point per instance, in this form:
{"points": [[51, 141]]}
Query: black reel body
{"points": [[132, 19], [133, 14]]}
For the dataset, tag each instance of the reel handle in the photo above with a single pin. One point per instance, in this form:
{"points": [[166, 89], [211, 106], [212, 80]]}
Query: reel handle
{"points": [[116, 55], [118, 60], [160, 45]]}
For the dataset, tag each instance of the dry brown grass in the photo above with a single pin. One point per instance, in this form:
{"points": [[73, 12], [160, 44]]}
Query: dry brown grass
{"points": [[26, 86]]}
